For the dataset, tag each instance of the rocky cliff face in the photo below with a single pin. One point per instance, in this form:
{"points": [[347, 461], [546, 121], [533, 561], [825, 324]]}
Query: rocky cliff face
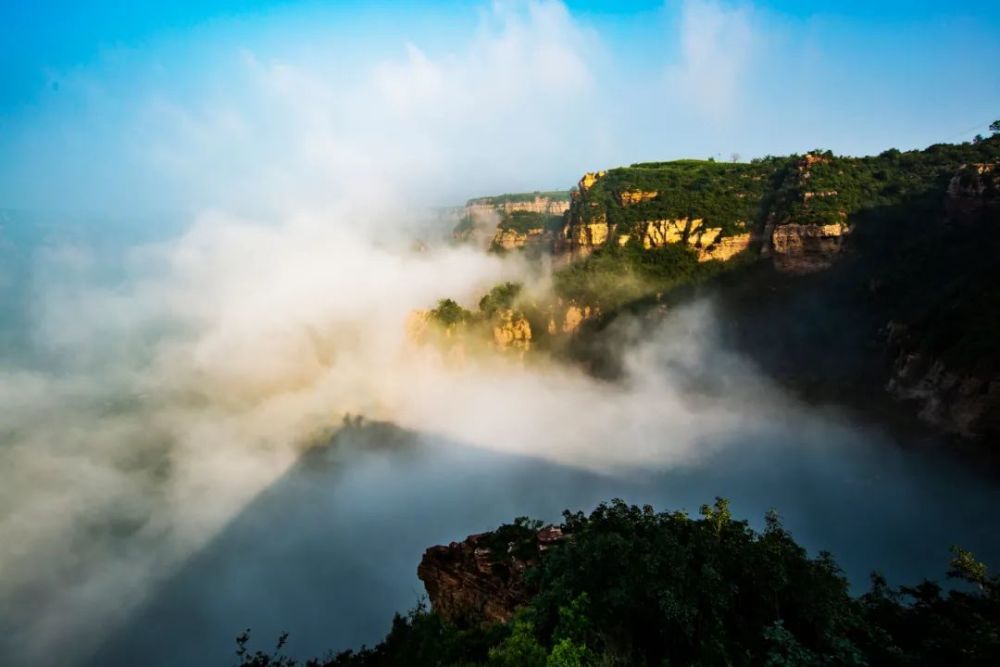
{"points": [[513, 239], [958, 398], [511, 332], [963, 403], [588, 228], [800, 229], [567, 318], [510, 329], [486, 220], [807, 228], [478, 580], [539, 204], [803, 248]]}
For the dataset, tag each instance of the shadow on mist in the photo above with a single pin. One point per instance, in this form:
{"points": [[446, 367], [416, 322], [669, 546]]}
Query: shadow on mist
{"points": [[329, 551]]}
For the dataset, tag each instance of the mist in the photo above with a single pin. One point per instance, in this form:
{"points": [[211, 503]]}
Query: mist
{"points": [[224, 270]]}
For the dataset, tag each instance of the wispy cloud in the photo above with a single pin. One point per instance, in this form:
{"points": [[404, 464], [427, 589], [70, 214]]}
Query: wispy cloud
{"points": [[717, 45]]}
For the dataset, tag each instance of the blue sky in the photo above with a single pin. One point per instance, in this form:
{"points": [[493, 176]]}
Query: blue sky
{"points": [[105, 105]]}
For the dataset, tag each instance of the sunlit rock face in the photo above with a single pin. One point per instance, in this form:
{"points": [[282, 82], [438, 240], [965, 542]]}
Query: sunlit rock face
{"points": [[658, 233], [708, 242], [797, 237], [585, 237], [588, 228], [540, 204], [479, 580], [511, 332], [572, 318], [630, 197], [484, 220], [724, 249], [512, 239], [802, 248], [589, 179]]}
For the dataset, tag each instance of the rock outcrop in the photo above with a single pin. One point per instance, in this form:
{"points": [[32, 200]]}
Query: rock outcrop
{"points": [[725, 248], [513, 239], [587, 226], [658, 233], [589, 179], [631, 197], [584, 237], [511, 332], [478, 581], [967, 404], [571, 318], [487, 220], [802, 248], [972, 191], [539, 204]]}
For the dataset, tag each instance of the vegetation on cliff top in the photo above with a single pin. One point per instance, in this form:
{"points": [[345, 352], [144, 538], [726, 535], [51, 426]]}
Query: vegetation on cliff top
{"points": [[938, 277], [721, 194], [524, 221], [517, 197], [632, 586], [613, 275], [449, 313], [816, 188]]}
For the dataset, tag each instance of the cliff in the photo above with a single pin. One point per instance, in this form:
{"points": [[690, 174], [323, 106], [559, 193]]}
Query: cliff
{"points": [[481, 579], [718, 210], [943, 350], [512, 221], [960, 401], [913, 235], [551, 203]]}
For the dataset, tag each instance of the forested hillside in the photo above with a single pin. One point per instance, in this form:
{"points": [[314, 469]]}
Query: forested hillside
{"points": [[627, 585]]}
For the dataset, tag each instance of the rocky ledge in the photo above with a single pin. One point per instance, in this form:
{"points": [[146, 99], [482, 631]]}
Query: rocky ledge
{"points": [[482, 577]]}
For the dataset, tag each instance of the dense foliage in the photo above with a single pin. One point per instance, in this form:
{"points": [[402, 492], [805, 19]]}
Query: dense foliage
{"points": [[846, 186], [614, 275], [722, 194], [935, 269], [524, 221], [518, 197], [501, 297], [631, 586], [449, 313]]}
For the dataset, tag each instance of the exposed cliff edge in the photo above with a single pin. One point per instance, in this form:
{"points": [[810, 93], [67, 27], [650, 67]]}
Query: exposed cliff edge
{"points": [[718, 210], [964, 403], [481, 579], [512, 221], [908, 238], [944, 355], [801, 248]]}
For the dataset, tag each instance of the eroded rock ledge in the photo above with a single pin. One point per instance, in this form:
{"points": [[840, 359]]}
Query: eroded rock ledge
{"points": [[481, 579]]}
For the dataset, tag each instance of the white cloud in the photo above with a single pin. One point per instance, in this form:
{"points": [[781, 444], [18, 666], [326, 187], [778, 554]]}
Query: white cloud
{"points": [[716, 49]]}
